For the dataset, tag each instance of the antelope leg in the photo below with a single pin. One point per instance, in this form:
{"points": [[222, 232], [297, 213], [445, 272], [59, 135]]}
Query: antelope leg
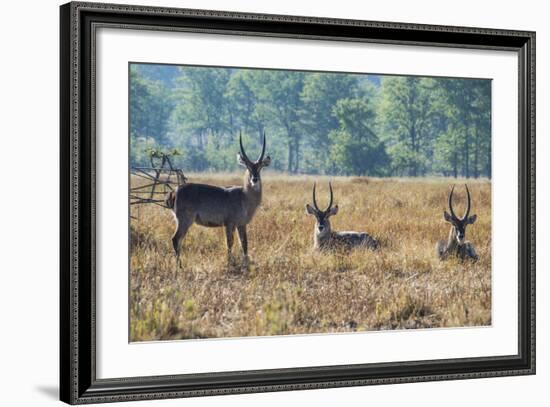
{"points": [[244, 239], [229, 233], [181, 230]]}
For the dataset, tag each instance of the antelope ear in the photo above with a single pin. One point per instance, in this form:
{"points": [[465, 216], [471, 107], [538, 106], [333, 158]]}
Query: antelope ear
{"points": [[472, 219], [241, 160], [266, 161], [447, 217], [310, 210], [333, 211]]}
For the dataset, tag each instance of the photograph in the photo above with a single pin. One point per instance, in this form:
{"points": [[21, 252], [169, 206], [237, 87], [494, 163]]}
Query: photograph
{"points": [[253, 201], [268, 202]]}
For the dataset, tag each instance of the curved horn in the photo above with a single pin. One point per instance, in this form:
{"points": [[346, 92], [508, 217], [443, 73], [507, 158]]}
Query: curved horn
{"points": [[331, 196], [451, 203], [243, 154], [314, 200], [261, 157], [467, 213]]}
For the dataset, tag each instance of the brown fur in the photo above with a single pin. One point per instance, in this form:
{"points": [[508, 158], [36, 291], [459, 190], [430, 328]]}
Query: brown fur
{"points": [[451, 247], [324, 238], [212, 206], [456, 244]]}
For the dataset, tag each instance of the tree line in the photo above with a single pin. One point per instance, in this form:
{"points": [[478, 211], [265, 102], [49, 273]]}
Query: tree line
{"points": [[315, 122]]}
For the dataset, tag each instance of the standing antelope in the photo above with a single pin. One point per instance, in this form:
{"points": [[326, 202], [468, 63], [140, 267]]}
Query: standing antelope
{"points": [[325, 238], [211, 206], [456, 244]]}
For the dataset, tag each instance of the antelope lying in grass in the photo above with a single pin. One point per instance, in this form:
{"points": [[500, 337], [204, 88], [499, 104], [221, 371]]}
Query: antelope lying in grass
{"points": [[325, 238], [212, 206], [456, 244]]}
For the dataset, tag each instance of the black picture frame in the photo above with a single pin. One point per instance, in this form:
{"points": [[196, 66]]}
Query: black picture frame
{"points": [[78, 382]]}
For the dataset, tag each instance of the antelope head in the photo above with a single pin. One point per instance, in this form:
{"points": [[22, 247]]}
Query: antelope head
{"points": [[322, 225], [459, 224], [253, 168]]}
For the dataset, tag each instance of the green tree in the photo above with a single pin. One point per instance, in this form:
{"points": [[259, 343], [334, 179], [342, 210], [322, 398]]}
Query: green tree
{"points": [[244, 104], [355, 147], [320, 94], [200, 118], [406, 120], [329, 123], [150, 107], [279, 93], [467, 110]]}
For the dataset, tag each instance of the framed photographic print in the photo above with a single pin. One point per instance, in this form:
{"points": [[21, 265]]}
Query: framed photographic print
{"points": [[256, 203]]}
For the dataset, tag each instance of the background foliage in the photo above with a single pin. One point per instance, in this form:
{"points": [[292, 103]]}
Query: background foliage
{"points": [[316, 123]]}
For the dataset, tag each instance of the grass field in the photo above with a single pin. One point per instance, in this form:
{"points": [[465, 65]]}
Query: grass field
{"points": [[288, 288]]}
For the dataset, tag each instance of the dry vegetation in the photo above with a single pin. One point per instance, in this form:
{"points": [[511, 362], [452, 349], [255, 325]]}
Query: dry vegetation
{"points": [[288, 289]]}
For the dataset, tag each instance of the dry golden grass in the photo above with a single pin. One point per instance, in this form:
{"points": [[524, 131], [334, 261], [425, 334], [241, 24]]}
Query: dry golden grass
{"points": [[288, 288]]}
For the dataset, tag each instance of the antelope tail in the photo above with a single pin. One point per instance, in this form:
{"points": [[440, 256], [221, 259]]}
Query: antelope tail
{"points": [[170, 199]]}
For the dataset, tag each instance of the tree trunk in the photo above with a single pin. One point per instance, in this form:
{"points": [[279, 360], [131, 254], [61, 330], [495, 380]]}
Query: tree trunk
{"points": [[455, 165], [467, 155], [296, 155], [290, 163], [414, 166], [476, 153], [199, 140]]}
